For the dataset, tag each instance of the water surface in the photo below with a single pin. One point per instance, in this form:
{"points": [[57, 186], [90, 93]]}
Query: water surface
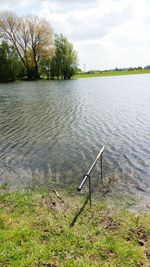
{"points": [[51, 131]]}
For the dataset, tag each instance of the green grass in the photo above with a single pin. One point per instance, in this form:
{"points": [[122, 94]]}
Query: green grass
{"points": [[35, 231], [111, 73]]}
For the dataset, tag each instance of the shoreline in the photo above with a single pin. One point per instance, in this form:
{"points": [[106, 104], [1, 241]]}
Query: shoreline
{"points": [[38, 228], [85, 75], [110, 73]]}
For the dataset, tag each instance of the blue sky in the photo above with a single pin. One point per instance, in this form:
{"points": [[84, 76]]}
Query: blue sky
{"points": [[105, 33]]}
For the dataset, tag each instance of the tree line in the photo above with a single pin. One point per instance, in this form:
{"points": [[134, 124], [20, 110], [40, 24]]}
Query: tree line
{"points": [[29, 48]]}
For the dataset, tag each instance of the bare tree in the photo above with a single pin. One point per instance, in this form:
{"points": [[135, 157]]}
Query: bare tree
{"points": [[31, 36]]}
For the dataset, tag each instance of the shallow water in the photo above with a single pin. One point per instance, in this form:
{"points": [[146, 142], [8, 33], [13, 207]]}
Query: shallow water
{"points": [[51, 131]]}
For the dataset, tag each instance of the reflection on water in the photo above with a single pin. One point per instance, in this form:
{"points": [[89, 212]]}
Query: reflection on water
{"points": [[52, 130]]}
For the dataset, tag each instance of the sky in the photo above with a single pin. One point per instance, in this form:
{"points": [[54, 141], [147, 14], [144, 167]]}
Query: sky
{"points": [[105, 33]]}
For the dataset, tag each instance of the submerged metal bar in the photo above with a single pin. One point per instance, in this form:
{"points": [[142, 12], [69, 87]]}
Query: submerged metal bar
{"points": [[101, 169], [90, 191], [87, 175]]}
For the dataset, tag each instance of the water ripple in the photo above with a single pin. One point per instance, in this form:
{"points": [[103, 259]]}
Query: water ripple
{"points": [[52, 131]]}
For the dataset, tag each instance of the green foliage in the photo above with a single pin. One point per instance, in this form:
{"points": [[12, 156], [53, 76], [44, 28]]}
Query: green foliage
{"points": [[45, 68], [64, 63], [31, 36], [9, 63], [35, 232]]}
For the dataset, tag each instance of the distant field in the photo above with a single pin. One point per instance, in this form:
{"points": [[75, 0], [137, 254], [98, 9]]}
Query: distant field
{"points": [[111, 73]]}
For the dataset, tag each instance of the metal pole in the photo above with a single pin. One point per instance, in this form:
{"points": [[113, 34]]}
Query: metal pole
{"points": [[90, 191], [86, 176], [102, 169]]}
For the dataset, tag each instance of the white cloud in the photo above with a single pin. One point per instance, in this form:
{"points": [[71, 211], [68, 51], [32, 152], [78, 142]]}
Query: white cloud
{"points": [[106, 33]]}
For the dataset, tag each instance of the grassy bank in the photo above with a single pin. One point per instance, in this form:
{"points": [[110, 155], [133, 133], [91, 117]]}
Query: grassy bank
{"points": [[111, 73], [35, 231]]}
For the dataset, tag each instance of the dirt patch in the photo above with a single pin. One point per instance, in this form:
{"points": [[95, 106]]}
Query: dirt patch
{"points": [[47, 265], [109, 223], [138, 233], [54, 204]]}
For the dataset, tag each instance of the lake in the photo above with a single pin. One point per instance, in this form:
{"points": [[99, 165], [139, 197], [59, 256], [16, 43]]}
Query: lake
{"points": [[51, 131]]}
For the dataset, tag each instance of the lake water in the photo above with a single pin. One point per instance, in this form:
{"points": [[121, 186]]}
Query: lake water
{"points": [[51, 131]]}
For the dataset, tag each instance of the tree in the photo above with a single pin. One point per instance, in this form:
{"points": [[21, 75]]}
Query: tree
{"points": [[45, 67], [64, 62], [31, 36], [9, 67]]}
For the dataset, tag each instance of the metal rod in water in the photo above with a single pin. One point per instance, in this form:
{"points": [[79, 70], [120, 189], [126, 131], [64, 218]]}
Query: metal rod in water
{"points": [[86, 176], [90, 191], [101, 169]]}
